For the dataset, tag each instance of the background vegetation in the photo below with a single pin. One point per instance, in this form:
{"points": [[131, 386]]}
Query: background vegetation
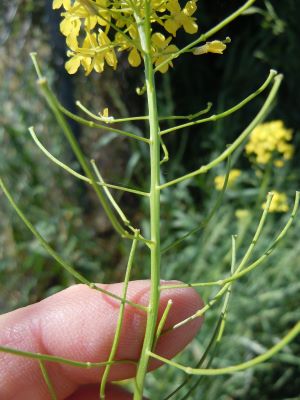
{"points": [[264, 305]]}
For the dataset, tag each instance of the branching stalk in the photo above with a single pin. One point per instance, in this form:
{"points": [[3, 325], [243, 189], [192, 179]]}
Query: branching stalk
{"points": [[248, 253], [76, 174], [226, 113], [62, 360], [230, 149], [295, 331]]}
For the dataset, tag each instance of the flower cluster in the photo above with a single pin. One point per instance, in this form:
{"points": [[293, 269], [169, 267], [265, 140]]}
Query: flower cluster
{"points": [[270, 142], [96, 29], [279, 203], [220, 179]]}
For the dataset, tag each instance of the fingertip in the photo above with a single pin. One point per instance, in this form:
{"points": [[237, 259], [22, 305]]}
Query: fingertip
{"points": [[91, 392]]}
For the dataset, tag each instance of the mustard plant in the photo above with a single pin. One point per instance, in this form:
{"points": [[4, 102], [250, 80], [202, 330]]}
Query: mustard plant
{"points": [[96, 32]]}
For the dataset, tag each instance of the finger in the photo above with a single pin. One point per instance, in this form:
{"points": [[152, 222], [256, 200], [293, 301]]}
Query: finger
{"points": [[79, 323], [91, 392]]}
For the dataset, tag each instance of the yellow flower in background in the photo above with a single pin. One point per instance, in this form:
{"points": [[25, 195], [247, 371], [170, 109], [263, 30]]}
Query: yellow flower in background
{"points": [[233, 176], [270, 142], [242, 214], [279, 203], [96, 30]]}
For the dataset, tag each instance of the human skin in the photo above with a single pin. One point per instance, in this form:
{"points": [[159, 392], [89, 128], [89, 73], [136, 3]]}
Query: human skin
{"points": [[79, 323]]}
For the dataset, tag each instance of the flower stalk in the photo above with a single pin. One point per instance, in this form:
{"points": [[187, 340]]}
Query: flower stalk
{"points": [[155, 254]]}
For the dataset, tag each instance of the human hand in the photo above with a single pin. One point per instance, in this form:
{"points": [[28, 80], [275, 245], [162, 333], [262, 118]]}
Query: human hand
{"points": [[79, 323]]}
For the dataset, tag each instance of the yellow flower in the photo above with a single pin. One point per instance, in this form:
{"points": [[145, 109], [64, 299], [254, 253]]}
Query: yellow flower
{"points": [[242, 214], [181, 17], [162, 50], [279, 203], [216, 46], [269, 142], [95, 51], [233, 176]]}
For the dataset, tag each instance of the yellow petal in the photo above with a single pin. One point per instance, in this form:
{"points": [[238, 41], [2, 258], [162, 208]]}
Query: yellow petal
{"points": [[190, 26], [56, 4], [73, 64], [66, 26], [134, 58], [164, 68], [190, 8], [111, 58], [98, 64], [72, 42], [105, 113], [216, 47], [158, 39], [66, 4], [171, 26]]}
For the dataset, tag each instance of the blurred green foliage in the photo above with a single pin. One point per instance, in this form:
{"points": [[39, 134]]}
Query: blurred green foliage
{"points": [[265, 304]]}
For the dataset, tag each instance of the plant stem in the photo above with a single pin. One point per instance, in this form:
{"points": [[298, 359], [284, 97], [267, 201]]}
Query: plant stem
{"points": [[295, 331], [145, 34], [225, 113], [47, 380], [238, 141]]}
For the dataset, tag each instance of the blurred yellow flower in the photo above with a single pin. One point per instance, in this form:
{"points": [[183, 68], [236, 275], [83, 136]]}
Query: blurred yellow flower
{"points": [[220, 179], [279, 203], [270, 142], [242, 213]]}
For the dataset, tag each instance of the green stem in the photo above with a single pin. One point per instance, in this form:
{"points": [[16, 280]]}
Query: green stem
{"points": [[116, 340], [54, 105], [47, 380], [92, 124], [210, 215], [79, 155], [224, 289], [162, 322], [226, 113], [240, 139], [145, 34], [61, 360], [76, 174], [239, 367], [235, 276], [112, 120]]}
